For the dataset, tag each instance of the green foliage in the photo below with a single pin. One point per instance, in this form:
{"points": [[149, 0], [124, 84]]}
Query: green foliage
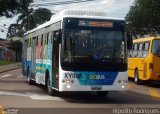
{"points": [[6, 62], [31, 19], [13, 30], [9, 8], [28, 20], [144, 17], [16, 46], [41, 15]]}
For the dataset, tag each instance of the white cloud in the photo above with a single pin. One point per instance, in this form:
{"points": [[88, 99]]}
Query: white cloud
{"points": [[113, 7], [104, 1], [116, 8]]}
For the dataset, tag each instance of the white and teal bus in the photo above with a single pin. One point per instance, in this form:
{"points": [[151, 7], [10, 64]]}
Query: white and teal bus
{"points": [[77, 50]]}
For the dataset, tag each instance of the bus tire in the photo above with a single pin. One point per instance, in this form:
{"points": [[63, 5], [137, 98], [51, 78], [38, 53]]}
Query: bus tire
{"points": [[30, 82], [50, 90], [102, 93], [136, 77]]}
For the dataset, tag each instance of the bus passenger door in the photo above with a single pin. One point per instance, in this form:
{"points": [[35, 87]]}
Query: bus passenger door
{"points": [[55, 61]]}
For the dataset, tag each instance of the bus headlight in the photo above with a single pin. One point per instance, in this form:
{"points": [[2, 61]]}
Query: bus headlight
{"points": [[68, 81], [68, 86], [122, 81], [123, 87]]}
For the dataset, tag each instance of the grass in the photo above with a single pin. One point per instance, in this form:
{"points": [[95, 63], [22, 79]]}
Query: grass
{"points": [[2, 62]]}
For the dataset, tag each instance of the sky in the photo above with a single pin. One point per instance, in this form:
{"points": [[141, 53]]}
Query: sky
{"points": [[113, 8]]}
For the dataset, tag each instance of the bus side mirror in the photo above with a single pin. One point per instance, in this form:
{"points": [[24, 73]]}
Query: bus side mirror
{"points": [[129, 41]]}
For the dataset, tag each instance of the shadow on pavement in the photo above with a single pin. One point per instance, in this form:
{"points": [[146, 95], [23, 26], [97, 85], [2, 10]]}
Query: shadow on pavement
{"points": [[154, 84], [112, 98]]}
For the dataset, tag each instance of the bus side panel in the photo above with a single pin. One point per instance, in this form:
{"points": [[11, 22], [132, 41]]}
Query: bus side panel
{"points": [[131, 73], [43, 61], [39, 63], [47, 62], [131, 68], [155, 73], [49, 58]]}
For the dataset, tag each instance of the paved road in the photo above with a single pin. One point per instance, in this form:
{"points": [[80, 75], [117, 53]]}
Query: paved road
{"points": [[16, 93]]}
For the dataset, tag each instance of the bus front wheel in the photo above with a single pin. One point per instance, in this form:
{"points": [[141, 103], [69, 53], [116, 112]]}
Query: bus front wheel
{"points": [[50, 90]]}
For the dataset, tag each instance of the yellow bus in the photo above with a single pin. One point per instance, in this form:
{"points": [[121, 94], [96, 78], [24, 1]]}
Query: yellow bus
{"points": [[144, 59]]}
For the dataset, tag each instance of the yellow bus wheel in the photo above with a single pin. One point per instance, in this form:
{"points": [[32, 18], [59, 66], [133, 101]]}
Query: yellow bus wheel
{"points": [[136, 77]]}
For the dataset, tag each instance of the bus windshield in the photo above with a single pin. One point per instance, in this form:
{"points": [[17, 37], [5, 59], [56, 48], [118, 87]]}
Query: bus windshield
{"points": [[156, 47], [93, 44]]}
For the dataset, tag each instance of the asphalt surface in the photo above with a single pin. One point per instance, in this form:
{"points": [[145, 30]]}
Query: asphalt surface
{"points": [[19, 97]]}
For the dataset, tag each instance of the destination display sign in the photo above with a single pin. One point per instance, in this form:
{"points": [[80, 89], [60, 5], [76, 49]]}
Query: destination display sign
{"points": [[95, 23]]}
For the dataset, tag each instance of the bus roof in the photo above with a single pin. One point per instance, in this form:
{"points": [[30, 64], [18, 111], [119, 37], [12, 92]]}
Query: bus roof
{"points": [[87, 14], [145, 39], [83, 14]]}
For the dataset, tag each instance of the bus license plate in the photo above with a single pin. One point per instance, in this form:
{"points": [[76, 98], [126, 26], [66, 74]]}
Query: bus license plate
{"points": [[96, 88]]}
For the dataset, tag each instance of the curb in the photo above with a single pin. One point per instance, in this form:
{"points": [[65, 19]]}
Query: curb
{"points": [[10, 70], [10, 67]]}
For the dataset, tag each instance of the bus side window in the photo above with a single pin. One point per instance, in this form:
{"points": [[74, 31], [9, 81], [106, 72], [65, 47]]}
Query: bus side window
{"points": [[135, 48], [140, 50], [146, 49], [26, 43], [130, 51]]}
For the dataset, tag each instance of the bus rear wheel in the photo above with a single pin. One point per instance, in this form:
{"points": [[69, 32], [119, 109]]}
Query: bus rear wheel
{"points": [[30, 82], [102, 93], [136, 77]]}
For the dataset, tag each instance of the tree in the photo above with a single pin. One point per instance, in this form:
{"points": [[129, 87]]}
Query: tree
{"points": [[31, 19], [41, 15], [9, 8], [13, 30], [144, 17], [28, 20], [17, 47]]}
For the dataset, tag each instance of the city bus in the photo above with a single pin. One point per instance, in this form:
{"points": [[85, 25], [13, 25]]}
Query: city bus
{"points": [[144, 60], [77, 50]]}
